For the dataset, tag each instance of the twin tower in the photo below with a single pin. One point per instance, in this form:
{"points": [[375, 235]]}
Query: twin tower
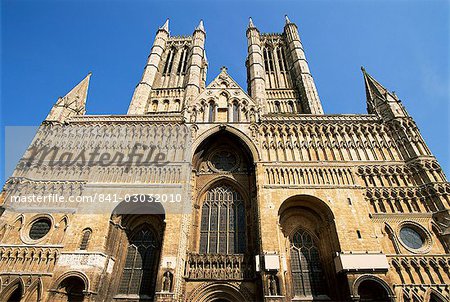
{"points": [[278, 76]]}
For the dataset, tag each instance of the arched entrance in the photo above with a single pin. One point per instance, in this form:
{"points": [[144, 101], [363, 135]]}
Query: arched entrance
{"points": [[220, 292], [70, 287], [224, 229], [307, 224]]}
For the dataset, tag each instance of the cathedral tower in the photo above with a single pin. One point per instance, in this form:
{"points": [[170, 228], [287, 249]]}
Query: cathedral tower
{"points": [[278, 73], [175, 71]]}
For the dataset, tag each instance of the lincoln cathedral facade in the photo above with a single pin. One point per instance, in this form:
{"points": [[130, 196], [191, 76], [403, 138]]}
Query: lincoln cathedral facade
{"points": [[247, 195]]}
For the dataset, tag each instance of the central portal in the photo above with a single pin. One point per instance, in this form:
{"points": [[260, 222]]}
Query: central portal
{"points": [[224, 228]]}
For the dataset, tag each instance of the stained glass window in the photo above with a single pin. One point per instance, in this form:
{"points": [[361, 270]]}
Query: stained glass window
{"points": [[222, 227], [305, 266], [138, 273]]}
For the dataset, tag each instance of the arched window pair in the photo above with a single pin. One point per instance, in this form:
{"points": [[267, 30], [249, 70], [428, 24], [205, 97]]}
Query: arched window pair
{"points": [[222, 226]]}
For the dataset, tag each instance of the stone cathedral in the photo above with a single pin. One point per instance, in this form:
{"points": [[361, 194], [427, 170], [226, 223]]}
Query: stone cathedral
{"points": [[246, 195]]}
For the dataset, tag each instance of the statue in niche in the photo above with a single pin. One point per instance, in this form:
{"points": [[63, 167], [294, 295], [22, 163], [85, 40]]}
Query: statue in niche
{"points": [[167, 281], [273, 286]]}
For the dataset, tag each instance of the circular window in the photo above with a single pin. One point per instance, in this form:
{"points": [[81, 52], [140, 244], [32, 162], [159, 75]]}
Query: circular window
{"points": [[224, 160], [40, 228], [411, 238]]}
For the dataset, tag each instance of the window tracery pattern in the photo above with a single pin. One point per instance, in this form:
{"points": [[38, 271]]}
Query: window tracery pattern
{"points": [[305, 265], [222, 227], [138, 272]]}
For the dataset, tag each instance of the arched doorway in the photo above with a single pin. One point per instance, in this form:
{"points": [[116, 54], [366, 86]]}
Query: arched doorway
{"points": [[224, 177], [220, 292], [372, 291], [307, 224], [224, 229]]}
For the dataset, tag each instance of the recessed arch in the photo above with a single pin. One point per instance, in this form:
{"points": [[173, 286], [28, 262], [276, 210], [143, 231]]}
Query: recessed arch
{"points": [[369, 288], [223, 179], [242, 138], [14, 291], [34, 292], [432, 295], [218, 291], [75, 274], [309, 202], [310, 241]]}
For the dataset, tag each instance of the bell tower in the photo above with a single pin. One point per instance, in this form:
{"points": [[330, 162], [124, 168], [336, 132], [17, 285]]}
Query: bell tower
{"points": [[278, 74], [175, 71]]}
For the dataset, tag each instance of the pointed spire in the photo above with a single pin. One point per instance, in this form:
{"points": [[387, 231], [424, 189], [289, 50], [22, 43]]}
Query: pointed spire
{"points": [[73, 103], [200, 26], [380, 100], [165, 26], [373, 88], [250, 23], [287, 19]]}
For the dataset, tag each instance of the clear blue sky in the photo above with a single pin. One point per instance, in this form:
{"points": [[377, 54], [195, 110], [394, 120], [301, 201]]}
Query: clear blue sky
{"points": [[48, 46]]}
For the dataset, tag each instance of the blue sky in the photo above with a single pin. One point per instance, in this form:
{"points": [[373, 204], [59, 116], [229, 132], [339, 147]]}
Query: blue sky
{"points": [[48, 46]]}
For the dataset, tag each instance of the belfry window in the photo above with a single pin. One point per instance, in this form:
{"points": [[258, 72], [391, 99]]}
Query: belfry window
{"points": [[281, 59], [169, 62], [155, 105], [183, 62], [305, 265], [268, 60], [139, 269], [223, 222], [277, 107]]}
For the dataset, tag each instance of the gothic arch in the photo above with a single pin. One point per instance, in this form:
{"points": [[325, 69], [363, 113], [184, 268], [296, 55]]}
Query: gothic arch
{"points": [[247, 141], [34, 292], [211, 291], [309, 218], [16, 287], [77, 274], [136, 241], [223, 179], [431, 294], [390, 296]]}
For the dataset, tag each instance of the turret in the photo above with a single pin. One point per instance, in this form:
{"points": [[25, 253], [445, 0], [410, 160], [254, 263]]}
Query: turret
{"points": [[72, 104], [303, 79], [143, 89], [255, 65], [380, 101], [197, 64]]}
